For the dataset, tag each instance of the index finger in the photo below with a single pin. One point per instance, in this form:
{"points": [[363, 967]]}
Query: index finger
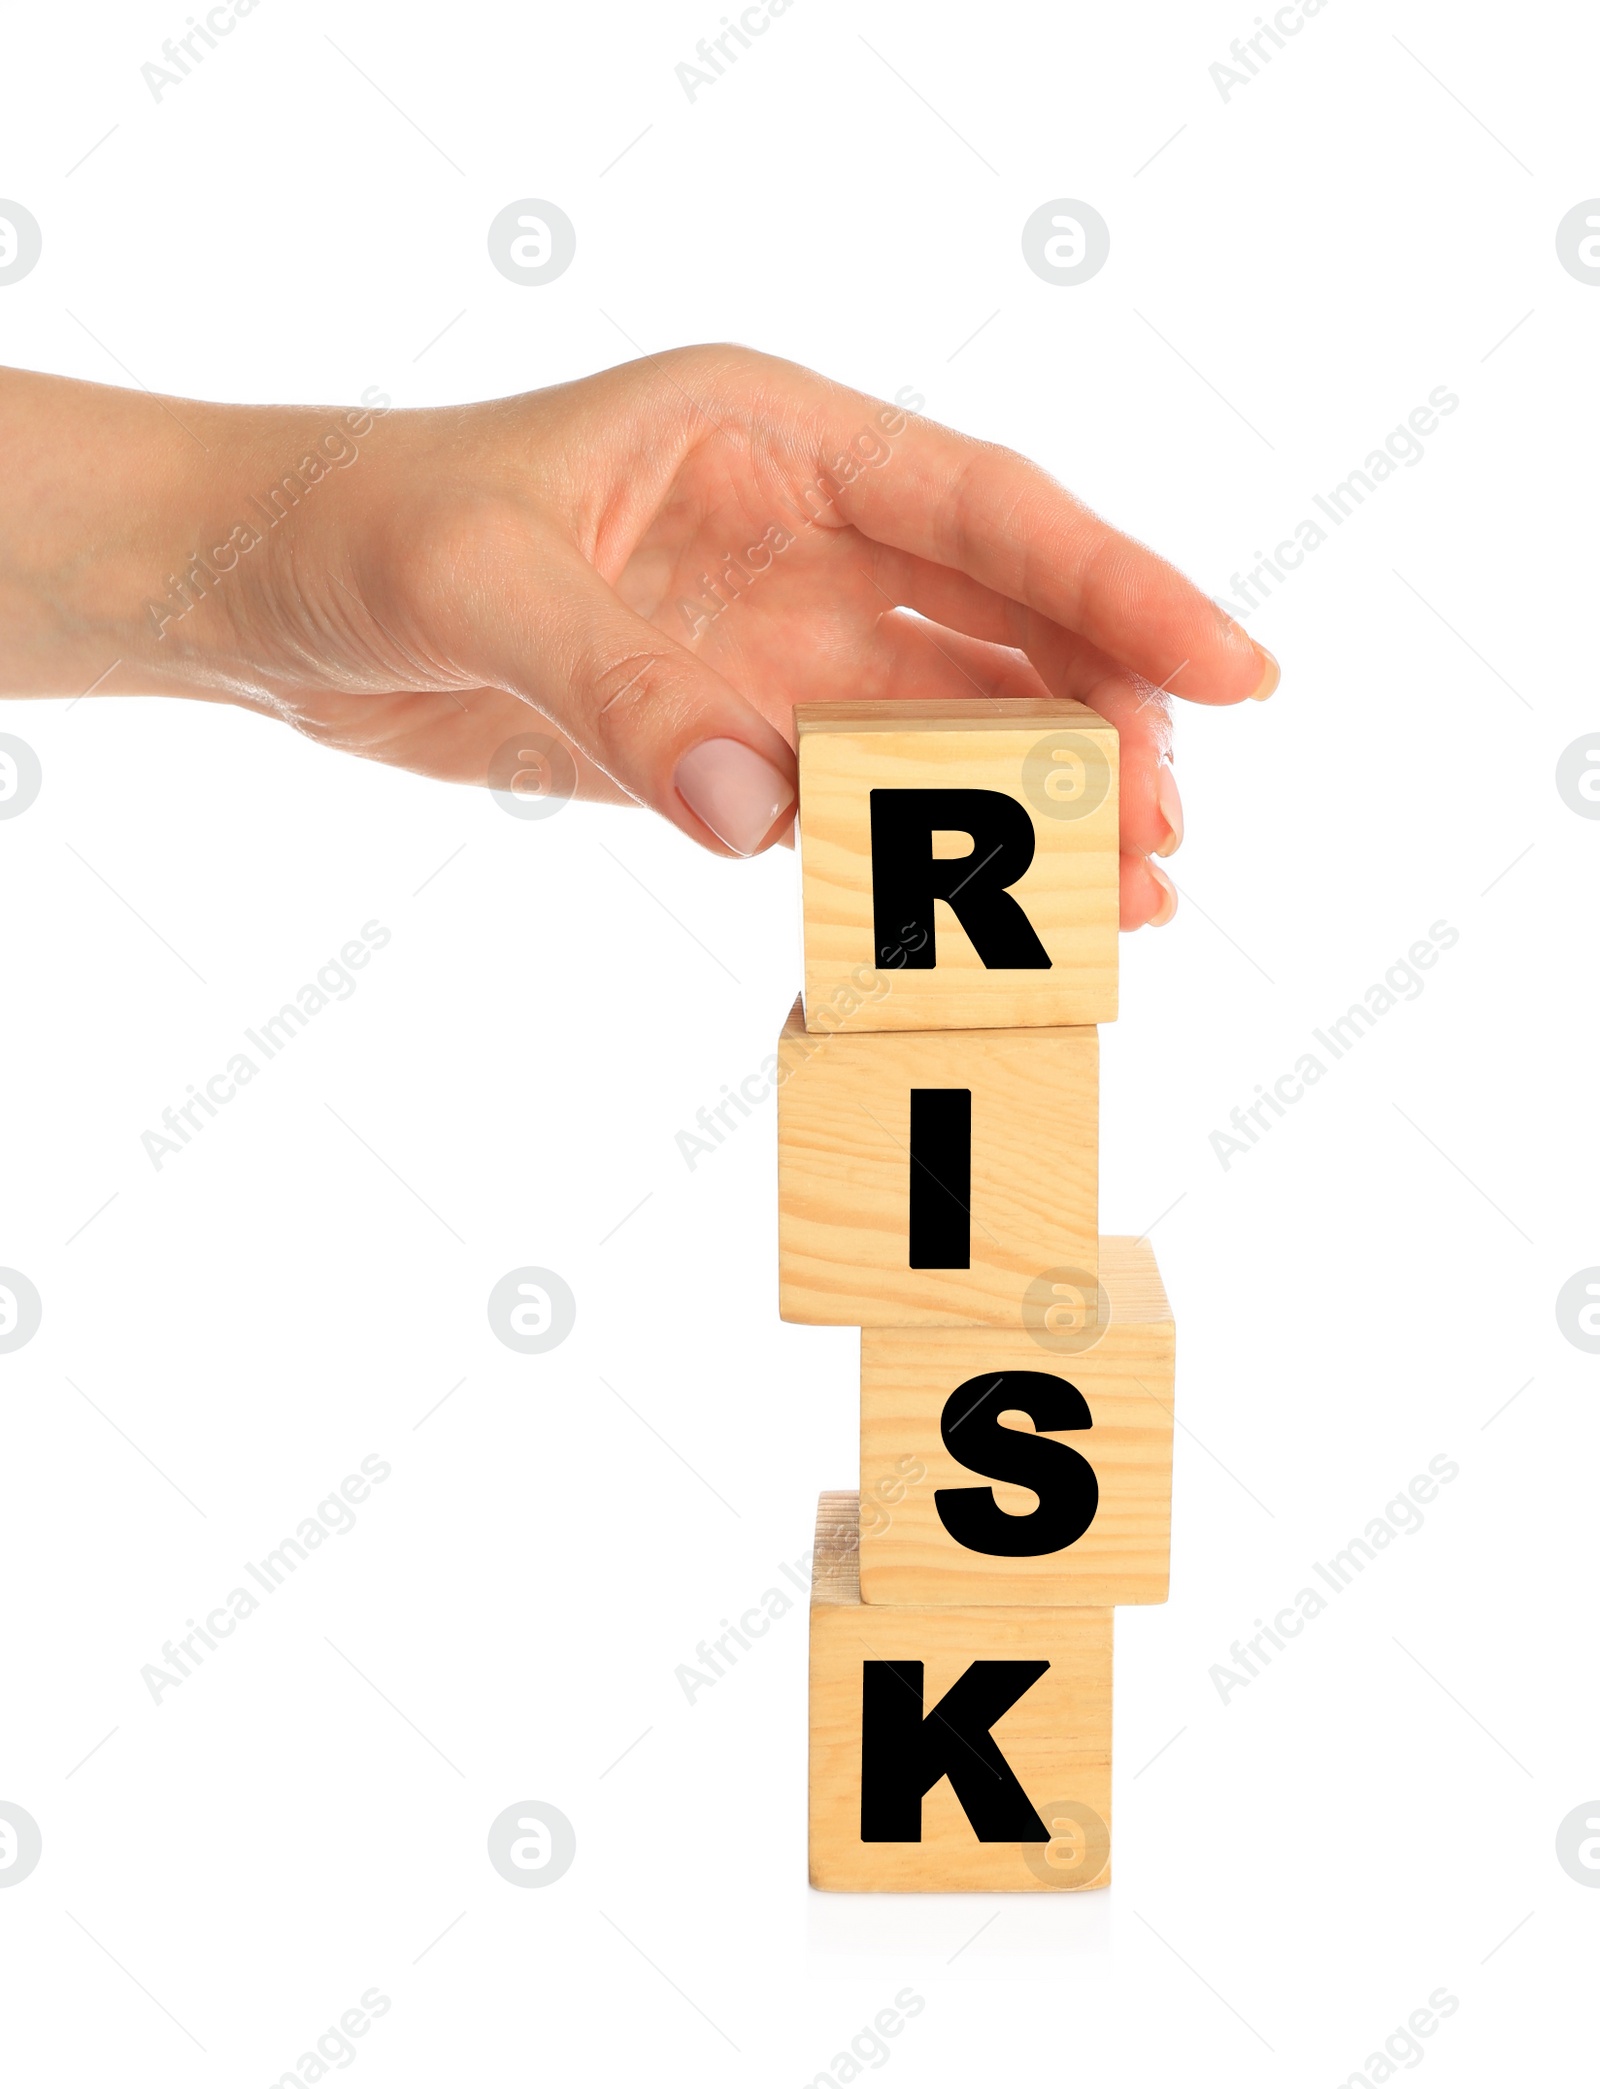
{"points": [[991, 514]]}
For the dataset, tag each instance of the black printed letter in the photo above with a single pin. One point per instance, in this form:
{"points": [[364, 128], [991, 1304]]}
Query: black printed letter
{"points": [[1065, 1483], [904, 1755], [939, 1210], [907, 877]]}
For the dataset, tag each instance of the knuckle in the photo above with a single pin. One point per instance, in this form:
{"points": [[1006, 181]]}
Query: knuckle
{"points": [[712, 357], [622, 689], [618, 681]]}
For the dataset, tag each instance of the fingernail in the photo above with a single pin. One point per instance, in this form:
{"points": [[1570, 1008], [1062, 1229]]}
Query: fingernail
{"points": [[737, 792], [1169, 895], [1271, 675], [1170, 806]]}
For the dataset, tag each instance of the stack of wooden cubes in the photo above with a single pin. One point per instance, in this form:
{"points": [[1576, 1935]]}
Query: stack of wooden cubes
{"points": [[938, 1133]]}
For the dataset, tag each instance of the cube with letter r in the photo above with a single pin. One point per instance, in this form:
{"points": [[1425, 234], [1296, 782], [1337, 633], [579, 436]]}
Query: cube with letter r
{"points": [[959, 864]]}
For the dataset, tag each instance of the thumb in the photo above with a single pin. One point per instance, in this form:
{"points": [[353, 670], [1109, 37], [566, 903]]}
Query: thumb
{"points": [[669, 729]]}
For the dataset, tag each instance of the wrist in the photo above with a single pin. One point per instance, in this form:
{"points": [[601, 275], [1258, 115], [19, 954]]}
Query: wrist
{"points": [[241, 607]]}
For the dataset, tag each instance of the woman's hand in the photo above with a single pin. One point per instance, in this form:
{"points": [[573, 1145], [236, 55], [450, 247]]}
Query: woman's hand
{"points": [[662, 560]]}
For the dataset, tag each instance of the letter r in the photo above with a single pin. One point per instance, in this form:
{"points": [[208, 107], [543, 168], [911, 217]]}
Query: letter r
{"points": [[907, 877]]}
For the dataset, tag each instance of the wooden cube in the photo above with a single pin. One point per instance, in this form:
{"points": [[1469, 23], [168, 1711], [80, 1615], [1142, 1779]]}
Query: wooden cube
{"points": [[935, 1178], [959, 864], [954, 1749], [1001, 1467]]}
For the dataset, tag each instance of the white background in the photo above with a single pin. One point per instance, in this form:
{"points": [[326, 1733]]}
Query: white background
{"points": [[1372, 1817]]}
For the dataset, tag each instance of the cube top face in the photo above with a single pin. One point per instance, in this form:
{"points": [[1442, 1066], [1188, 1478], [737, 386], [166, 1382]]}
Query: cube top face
{"points": [[1022, 1468], [959, 864], [936, 1178], [954, 1748]]}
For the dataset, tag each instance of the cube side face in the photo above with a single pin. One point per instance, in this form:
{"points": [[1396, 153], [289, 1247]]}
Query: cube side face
{"points": [[1053, 1740], [845, 1173], [1007, 1468], [1056, 770]]}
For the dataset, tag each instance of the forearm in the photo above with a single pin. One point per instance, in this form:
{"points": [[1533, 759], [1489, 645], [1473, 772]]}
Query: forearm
{"points": [[124, 522], [90, 499], [171, 547]]}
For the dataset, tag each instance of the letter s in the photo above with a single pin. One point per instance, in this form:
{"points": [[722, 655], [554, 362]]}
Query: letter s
{"points": [[1063, 1479]]}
